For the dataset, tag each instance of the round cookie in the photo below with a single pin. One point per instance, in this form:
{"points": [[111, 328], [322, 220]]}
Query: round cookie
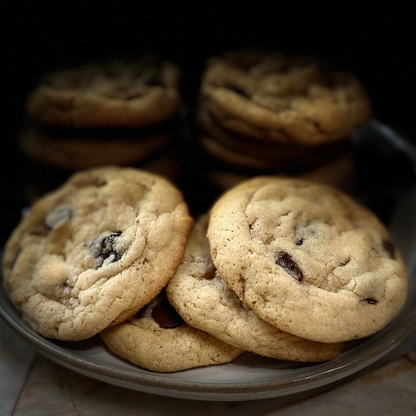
{"points": [[307, 258], [77, 150], [204, 301], [109, 94], [284, 99], [93, 252], [159, 340]]}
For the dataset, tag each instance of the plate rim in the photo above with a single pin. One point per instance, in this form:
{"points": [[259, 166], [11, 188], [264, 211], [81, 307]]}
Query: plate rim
{"points": [[388, 339]]}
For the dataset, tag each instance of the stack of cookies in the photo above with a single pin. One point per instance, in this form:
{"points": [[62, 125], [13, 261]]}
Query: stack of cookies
{"points": [[262, 112], [283, 268], [117, 112]]}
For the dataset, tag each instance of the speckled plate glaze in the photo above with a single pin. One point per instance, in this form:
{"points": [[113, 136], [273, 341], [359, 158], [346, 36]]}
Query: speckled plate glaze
{"points": [[386, 166]]}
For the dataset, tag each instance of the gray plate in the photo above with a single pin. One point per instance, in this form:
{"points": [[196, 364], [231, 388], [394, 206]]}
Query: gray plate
{"points": [[388, 188]]}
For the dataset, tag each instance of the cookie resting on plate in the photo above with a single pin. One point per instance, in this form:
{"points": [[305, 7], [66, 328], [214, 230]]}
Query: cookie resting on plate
{"points": [[307, 258], [204, 301], [96, 250], [159, 340]]}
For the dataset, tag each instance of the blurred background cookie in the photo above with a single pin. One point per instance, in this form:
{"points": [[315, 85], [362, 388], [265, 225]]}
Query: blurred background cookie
{"points": [[286, 99], [108, 94], [264, 112], [114, 112]]}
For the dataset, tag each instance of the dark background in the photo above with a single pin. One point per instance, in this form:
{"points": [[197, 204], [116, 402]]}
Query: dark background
{"points": [[377, 44]]}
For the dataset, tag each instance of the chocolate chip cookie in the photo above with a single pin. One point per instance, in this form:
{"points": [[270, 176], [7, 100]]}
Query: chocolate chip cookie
{"points": [[307, 258], [204, 301], [159, 340], [108, 94], [284, 99], [96, 250]]}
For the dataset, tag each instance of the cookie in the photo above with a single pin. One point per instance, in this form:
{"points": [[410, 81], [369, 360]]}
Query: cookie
{"points": [[204, 301], [96, 250], [283, 99], [108, 94], [159, 340], [307, 258], [73, 149]]}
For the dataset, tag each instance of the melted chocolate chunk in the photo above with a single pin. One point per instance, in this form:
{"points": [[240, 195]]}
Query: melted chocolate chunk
{"points": [[60, 213], [107, 248], [285, 261], [209, 275], [389, 248], [165, 315], [102, 248]]}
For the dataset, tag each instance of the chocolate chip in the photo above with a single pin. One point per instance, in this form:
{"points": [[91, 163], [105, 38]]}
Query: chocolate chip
{"points": [[209, 275], [389, 248], [165, 315], [210, 272], [285, 261], [60, 213], [107, 248], [371, 301], [300, 242], [103, 249]]}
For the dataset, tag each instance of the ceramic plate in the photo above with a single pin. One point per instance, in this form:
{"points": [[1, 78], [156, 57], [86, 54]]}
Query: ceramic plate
{"points": [[386, 183]]}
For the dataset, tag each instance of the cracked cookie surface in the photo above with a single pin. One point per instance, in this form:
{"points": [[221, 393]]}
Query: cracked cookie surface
{"points": [[204, 301], [307, 258], [159, 340], [91, 253], [283, 99], [109, 94]]}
